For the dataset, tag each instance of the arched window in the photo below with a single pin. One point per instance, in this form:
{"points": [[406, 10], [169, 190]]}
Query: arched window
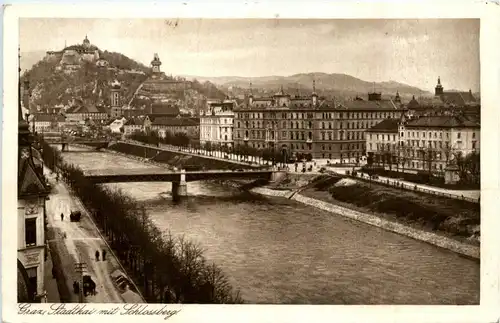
{"points": [[323, 125]]}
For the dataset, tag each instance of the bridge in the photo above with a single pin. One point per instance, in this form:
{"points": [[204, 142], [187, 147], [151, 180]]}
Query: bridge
{"points": [[178, 178], [65, 142]]}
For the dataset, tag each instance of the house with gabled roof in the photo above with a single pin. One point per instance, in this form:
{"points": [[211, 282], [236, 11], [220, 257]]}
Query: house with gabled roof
{"points": [[32, 192]]}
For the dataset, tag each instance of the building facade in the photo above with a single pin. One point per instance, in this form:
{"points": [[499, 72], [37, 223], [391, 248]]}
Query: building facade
{"points": [[31, 215], [217, 123], [116, 110], [163, 125], [45, 122], [383, 140], [426, 143], [82, 113], [310, 125], [431, 142]]}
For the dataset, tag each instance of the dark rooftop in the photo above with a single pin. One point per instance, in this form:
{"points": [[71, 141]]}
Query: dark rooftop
{"points": [[387, 125], [442, 122]]}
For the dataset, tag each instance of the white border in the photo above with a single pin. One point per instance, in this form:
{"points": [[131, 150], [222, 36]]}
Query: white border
{"points": [[490, 86]]}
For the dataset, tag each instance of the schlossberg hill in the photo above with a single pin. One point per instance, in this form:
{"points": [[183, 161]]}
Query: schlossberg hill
{"points": [[82, 75]]}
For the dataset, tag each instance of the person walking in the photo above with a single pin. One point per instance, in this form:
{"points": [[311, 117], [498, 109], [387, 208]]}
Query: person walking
{"points": [[97, 255], [103, 254], [62, 216]]}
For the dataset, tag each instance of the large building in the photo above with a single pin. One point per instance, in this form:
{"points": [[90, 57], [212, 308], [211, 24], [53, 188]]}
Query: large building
{"points": [[80, 113], [310, 125], [74, 54], [31, 217], [426, 143], [383, 140], [44, 122], [217, 123], [163, 125]]}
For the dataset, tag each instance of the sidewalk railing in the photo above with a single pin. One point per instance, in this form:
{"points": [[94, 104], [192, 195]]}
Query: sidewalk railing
{"points": [[410, 187]]}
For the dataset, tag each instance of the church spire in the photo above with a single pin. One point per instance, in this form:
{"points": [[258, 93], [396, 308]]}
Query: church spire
{"points": [[439, 87]]}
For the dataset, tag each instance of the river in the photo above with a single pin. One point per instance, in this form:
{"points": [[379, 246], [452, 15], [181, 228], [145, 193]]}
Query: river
{"points": [[280, 251]]}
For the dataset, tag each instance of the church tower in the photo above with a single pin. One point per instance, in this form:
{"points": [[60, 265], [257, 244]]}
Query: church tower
{"points": [[397, 98], [86, 43], [439, 87], [314, 94], [250, 97], [156, 63], [116, 108]]}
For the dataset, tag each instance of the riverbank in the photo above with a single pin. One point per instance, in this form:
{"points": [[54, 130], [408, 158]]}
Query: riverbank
{"points": [[297, 187], [173, 158]]}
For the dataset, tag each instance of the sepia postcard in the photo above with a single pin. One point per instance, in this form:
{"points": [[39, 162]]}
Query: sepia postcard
{"points": [[260, 163]]}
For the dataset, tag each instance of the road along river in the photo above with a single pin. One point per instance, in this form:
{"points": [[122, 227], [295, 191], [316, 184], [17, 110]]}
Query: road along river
{"points": [[280, 251]]}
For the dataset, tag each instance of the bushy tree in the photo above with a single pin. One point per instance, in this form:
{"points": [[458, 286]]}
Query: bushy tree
{"points": [[167, 268]]}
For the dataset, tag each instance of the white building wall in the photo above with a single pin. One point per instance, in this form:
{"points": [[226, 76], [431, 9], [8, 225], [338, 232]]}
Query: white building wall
{"points": [[32, 256]]}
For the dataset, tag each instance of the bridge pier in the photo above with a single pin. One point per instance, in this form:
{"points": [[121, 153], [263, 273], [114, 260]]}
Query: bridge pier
{"points": [[179, 188], [277, 175]]}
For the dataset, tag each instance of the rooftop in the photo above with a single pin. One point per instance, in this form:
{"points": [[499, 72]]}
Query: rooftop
{"points": [[48, 117], [458, 98], [174, 122], [442, 122], [387, 125]]}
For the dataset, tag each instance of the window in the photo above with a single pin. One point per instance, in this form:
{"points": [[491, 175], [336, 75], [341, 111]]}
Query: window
{"points": [[459, 135], [30, 231], [473, 135], [473, 145], [323, 125]]}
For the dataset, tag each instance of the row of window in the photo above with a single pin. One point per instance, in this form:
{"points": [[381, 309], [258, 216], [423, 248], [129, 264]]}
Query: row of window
{"points": [[308, 125], [296, 135], [216, 121], [324, 115]]}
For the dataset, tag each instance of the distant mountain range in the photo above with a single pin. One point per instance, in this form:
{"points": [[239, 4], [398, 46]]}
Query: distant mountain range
{"points": [[326, 84]]}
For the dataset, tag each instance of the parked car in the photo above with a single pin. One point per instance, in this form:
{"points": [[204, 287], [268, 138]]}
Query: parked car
{"points": [[75, 216]]}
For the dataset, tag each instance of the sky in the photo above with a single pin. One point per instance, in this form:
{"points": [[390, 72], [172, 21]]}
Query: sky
{"points": [[413, 52]]}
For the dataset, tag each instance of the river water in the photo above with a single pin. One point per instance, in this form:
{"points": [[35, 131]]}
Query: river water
{"points": [[280, 251]]}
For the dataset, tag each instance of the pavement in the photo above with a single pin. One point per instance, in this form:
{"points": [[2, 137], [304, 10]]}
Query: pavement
{"points": [[50, 283], [76, 242]]}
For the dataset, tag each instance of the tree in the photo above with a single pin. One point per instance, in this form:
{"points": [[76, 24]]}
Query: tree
{"points": [[404, 156], [468, 166]]}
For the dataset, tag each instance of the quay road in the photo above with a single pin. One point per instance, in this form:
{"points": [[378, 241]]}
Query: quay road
{"points": [[77, 242], [457, 194], [280, 251]]}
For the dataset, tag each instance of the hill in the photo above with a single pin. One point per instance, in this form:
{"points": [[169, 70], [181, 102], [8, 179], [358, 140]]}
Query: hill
{"points": [[326, 84], [59, 79]]}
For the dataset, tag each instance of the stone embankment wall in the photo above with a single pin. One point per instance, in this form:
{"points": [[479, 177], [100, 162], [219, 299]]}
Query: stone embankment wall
{"points": [[172, 158], [429, 237]]}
